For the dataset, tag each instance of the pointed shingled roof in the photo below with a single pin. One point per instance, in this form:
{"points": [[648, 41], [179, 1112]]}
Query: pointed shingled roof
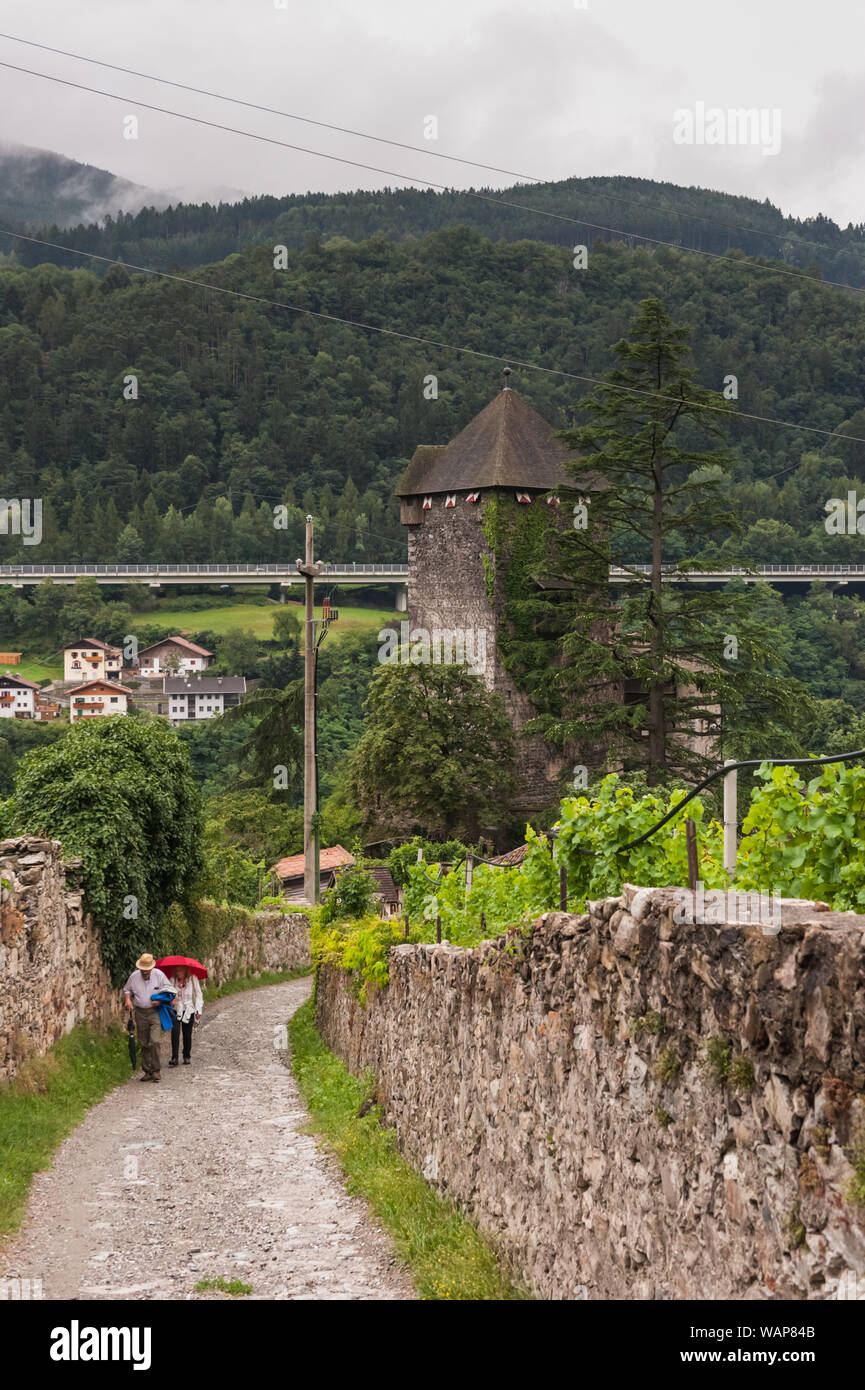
{"points": [[507, 445]]}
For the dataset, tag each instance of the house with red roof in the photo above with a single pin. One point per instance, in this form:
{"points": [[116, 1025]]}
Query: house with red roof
{"points": [[17, 697], [289, 871], [97, 698]]}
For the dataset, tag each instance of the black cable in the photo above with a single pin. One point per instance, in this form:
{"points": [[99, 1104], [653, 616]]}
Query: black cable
{"points": [[415, 149], [440, 187], [701, 786], [733, 767]]}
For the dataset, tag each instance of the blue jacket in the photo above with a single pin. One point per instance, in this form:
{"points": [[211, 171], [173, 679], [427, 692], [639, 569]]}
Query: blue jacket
{"points": [[167, 1017]]}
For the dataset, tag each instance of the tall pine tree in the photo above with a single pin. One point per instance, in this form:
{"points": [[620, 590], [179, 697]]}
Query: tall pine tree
{"points": [[650, 675]]}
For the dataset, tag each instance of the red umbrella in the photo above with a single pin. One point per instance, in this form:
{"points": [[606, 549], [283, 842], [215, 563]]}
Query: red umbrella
{"points": [[195, 966]]}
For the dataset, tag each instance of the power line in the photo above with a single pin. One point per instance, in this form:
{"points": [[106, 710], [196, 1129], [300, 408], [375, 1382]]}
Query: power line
{"points": [[428, 342], [403, 145], [740, 261]]}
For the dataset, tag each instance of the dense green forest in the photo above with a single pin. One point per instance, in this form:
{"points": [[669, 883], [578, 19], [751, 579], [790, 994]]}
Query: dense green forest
{"points": [[241, 407], [621, 208]]}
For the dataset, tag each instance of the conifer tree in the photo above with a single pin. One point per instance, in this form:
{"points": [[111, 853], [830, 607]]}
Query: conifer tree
{"points": [[639, 675]]}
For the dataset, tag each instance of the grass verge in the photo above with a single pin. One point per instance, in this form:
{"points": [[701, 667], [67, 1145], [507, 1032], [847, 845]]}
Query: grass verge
{"points": [[235, 1287], [446, 1256], [267, 977], [46, 1100]]}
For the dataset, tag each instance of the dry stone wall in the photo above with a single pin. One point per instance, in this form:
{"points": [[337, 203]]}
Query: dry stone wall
{"points": [[261, 941], [51, 971], [632, 1107]]}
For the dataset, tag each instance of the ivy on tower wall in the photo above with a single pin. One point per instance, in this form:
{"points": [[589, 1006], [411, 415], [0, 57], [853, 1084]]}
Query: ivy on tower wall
{"points": [[517, 538]]}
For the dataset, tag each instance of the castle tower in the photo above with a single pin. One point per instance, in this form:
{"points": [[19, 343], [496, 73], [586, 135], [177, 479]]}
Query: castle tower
{"points": [[506, 458]]}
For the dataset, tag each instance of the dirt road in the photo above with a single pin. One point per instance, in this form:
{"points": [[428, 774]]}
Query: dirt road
{"points": [[205, 1174]]}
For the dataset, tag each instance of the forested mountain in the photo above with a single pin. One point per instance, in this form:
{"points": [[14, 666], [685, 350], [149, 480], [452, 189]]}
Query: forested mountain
{"points": [[241, 406], [610, 208], [39, 187]]}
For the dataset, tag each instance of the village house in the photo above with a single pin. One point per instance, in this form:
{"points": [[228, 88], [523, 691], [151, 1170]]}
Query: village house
{"points": [[49, 707], [200, 697], [17, 697], [97, 698], [186, 655], [91, 659], [386, 895], [289, 871]]}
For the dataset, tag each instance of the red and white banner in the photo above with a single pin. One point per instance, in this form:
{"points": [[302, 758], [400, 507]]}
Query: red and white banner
{"points": [[427, 504], [451, 499], [473, 497], [523, 497]]}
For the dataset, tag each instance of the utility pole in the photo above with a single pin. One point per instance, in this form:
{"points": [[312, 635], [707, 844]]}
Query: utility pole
{"points": [[310, 867], [311, 828]]}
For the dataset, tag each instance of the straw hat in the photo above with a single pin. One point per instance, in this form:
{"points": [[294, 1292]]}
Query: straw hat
{"points": [[145, 962]]}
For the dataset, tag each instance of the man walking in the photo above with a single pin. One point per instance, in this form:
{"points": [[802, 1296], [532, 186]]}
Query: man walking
{"points": [[144, 981]]}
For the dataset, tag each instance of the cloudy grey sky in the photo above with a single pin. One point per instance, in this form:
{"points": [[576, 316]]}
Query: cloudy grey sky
{"points": [[545, 88]]}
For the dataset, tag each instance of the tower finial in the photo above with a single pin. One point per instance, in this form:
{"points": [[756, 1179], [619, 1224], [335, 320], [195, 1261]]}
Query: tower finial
{"points": [[507, 385]]}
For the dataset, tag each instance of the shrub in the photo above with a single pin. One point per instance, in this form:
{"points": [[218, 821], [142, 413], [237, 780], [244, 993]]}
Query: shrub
{"points": [[119, 793], [351, 895]]}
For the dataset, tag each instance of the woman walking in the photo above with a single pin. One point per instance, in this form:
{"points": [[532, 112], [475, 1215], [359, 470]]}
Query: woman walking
{"points": [[188, 1005]]}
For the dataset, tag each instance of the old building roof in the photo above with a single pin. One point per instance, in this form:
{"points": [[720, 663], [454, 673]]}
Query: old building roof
{"points": [[176, 642], [100, 684], [92, 642], [512, 859], [384, 884], [331, 858], [507, 445], [9, 679], [204, 685]]}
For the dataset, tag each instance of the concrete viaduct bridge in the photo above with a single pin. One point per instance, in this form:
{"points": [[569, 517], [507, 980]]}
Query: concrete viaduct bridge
{"points": [[226, 574], [345, 575]]}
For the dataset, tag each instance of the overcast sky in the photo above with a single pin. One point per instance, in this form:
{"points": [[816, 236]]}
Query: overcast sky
{"points": [[541, 87]]}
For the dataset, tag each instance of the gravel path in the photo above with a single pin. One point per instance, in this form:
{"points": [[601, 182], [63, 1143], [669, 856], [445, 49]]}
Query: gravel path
{"points": [[206, 1174]]}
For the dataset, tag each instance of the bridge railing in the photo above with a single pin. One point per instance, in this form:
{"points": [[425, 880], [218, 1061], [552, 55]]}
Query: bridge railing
{"points": [[203, 569], [733, 570]]}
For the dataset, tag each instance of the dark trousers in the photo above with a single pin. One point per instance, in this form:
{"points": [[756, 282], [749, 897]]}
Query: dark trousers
{"points": [[149, 1026], [187, 1038]]}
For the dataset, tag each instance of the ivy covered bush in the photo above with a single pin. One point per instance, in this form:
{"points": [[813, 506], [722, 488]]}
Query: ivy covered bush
{"points": [[118, 793]]}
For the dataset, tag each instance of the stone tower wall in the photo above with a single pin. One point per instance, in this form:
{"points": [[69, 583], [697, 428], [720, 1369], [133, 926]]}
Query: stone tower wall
{"points": [[449, 558]]}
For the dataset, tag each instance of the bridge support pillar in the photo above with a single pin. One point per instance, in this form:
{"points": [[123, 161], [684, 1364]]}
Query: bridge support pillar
{"points": [[402, 598]]}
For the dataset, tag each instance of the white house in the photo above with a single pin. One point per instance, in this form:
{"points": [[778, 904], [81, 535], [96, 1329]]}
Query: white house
{"points": [[151, 660], [200, 697], [90, 659], [17, 697], [97, 698]]}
